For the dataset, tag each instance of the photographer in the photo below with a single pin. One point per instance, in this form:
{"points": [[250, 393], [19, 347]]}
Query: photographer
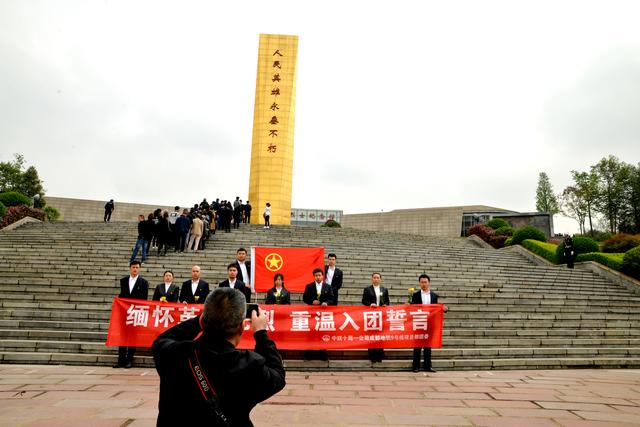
{"points": [[240, 378]]}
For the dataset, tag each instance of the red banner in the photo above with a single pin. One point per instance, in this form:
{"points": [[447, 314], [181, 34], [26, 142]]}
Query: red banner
{"points": [[295, 264], [136, 323]]}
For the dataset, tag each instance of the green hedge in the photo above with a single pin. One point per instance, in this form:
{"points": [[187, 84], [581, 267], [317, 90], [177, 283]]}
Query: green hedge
{"points": [[631, 262], [528, 232], [3, 210], [13, 198], [496, 223], [613, 261], [545, 250], [504, 231], [332, 224], [52, 213]]}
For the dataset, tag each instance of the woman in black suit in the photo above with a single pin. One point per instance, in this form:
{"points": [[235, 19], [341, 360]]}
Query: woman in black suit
{"points": [[278, 294], [167, 289]]}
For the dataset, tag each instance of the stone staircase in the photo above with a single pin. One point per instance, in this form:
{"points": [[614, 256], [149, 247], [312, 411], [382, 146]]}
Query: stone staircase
{"points": [[58, 280]]}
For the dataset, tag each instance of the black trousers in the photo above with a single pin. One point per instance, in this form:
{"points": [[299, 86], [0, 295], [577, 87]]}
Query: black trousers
{"points": [[427, 357], [107, 216], [376, 354], [125, 354]]}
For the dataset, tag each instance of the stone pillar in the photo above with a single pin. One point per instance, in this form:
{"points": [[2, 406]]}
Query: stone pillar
{"points": [[270, 179]]}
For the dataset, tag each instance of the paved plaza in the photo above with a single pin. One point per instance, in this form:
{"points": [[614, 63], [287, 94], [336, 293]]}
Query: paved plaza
{"points": [[34, 395]]}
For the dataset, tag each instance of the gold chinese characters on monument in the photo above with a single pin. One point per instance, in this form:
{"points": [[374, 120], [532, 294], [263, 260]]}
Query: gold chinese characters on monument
{"points": [[270, 179]]}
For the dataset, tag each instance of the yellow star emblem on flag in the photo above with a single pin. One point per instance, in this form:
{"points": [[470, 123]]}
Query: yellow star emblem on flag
{"points": [[273, 261]]}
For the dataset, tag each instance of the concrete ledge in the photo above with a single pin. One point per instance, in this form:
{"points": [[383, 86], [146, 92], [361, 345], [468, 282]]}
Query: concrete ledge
{"points": [[611, 275], [534, 258], [479, 242], [20, 223]]}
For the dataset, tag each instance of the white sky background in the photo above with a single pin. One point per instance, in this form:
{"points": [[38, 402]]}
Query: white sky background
{"points": [[399, 104]]}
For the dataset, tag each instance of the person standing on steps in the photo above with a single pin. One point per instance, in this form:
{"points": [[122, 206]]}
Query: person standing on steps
{"points": [[266, 215], [569, 251], [424, 296], [374, 296], [333, 276], [135, 287], [108, 208], [194, 291]]}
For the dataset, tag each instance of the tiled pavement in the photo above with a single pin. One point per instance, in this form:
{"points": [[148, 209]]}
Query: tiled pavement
{"points": [[98, 396]]}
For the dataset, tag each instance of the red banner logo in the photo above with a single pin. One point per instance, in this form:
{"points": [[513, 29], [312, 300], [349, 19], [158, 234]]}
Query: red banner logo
{"points": [[273, 262]]}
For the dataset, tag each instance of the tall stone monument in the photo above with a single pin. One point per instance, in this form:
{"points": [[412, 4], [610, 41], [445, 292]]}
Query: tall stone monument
{"points": [[270, 179]]}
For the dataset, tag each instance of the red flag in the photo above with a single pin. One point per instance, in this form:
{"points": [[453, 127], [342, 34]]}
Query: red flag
{"points": [[295, 264]]}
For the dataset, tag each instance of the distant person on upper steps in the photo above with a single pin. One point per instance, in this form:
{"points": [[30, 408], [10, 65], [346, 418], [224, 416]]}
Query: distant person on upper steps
{"points": [[108, 208]]}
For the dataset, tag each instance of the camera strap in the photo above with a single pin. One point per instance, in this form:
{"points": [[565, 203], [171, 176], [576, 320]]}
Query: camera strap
{"points": [[208, 392]]}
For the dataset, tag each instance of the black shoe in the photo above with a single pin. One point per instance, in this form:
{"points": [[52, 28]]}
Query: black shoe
{"points": [[430, 370], [415, 369], [118, 365], [128, 365]]}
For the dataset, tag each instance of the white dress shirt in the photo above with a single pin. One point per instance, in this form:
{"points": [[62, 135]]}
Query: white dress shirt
{"points": [[194, 286], [426, 297], [330, 272], [166, 287], [245, 274], [318, 287], [376, 289], [132, 283]]}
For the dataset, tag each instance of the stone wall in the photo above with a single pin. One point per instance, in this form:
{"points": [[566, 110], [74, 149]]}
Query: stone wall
{"points": [[93, 210], [446, 222], [540, 220]]}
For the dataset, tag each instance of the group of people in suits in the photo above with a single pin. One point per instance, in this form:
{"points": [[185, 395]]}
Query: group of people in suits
{"points": [[322, 291]]}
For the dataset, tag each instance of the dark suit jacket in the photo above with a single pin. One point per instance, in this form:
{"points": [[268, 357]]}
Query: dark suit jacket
{"points": [[285, 296], [172, 296], [239, 277], [241, 378], [416, 298], [369, 296], [140, 289], [310, 294], [201, 292], [239, 285], [336, 282]]}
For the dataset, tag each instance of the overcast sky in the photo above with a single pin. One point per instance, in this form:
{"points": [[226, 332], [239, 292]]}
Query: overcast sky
{"points": [[399, 104]]}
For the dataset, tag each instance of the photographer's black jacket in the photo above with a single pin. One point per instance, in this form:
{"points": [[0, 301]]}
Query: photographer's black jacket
{"points": [[242, 378]]}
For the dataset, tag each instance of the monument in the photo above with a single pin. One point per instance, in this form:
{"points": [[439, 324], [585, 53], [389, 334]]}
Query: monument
{"points": [[270, 178]]}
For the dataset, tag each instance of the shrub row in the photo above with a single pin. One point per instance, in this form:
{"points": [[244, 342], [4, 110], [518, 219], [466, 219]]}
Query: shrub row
{"points": [[631, 262], [16, 213], [13, 198], [545, 250], [620, 243], [3, 210], [613, 261]]}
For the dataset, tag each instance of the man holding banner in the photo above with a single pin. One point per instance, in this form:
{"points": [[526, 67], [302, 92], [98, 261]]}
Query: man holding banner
{"points": [[424, 296], [135, 287]]}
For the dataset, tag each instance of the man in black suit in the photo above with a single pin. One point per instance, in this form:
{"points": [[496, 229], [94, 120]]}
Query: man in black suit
{"points": [[375, 296], [333, 275], [240, 378], [194, 291], [135, 287], [317, 293], [232, 281], [166, 289], [244, 267], [424, 296]]}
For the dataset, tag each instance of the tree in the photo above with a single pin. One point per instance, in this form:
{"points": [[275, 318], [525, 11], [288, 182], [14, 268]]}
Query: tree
{"points": [[11, 174], [32, 186], [586, 184], [613, 183], [574, 206], [27, 182], [630, 215], [546, 201]]}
